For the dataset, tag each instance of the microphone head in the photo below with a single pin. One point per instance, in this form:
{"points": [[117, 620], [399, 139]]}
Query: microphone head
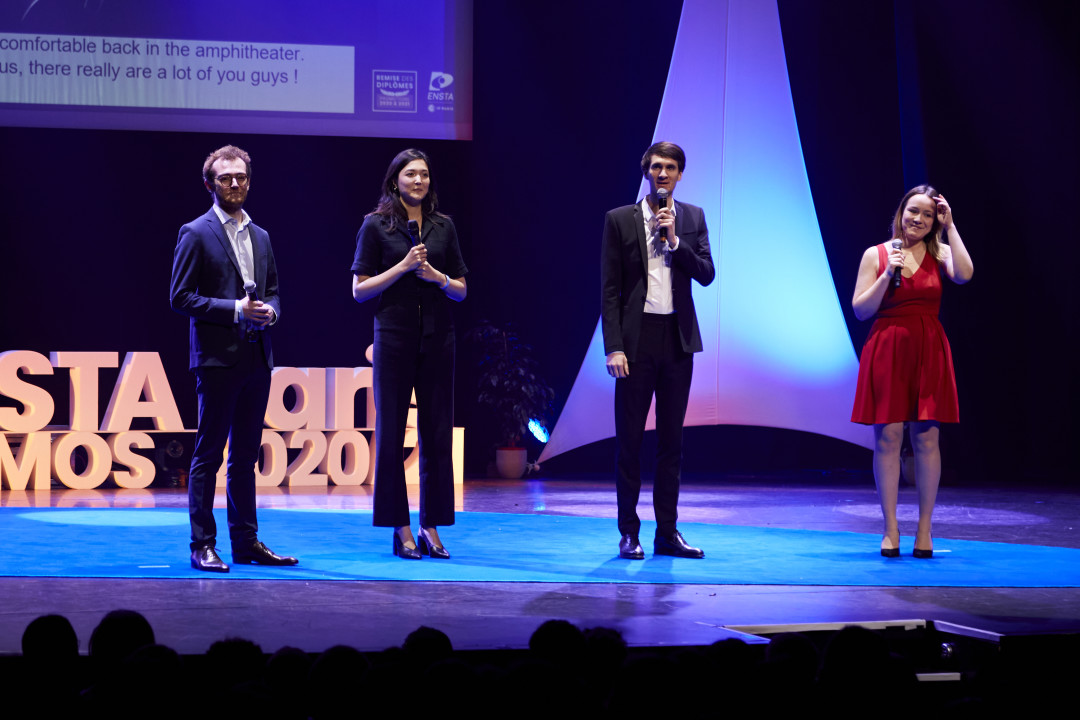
{"points": [[896, 243], [662, 196], [249, 287], [414, 227]]}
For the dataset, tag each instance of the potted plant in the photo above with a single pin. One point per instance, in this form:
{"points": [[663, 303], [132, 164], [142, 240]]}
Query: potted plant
{"points": [[508, 384]]}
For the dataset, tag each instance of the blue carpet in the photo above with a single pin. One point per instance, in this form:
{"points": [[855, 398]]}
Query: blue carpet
{"points": [[492, 547]]}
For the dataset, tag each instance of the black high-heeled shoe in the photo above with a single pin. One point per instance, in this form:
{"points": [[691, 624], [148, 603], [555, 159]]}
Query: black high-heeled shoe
{"points": [[403, 552], [924, 554], [427, 547], [889, 552]]}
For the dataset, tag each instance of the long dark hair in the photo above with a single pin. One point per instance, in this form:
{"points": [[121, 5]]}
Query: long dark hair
{"points": [[389, 205]]}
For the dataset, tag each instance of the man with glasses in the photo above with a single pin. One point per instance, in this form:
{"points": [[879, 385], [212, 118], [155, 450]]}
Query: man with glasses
{"points": [[224, 279]]}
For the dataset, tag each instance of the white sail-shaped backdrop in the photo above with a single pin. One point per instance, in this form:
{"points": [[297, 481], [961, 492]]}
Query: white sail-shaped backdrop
{"points": [[777, 350]]}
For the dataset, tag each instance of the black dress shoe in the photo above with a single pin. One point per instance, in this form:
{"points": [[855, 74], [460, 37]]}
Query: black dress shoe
{"points": [[206, 558], [427, 547], [630, 548], [675, 546], [403, 552], [258, 554]]}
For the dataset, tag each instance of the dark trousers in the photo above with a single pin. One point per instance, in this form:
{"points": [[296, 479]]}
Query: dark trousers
{"points": [[403, 361], [232, 402], [662, 368]]}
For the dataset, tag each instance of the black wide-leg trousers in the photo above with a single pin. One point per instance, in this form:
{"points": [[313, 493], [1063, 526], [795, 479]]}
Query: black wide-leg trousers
{"points": [[404, 360]]}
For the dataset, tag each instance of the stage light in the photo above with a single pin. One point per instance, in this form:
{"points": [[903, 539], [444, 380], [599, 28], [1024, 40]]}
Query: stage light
{"points": [[538, 430]]}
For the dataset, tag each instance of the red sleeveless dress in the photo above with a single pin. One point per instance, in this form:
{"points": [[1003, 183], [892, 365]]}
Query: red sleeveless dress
{"points": [[906, 368]]}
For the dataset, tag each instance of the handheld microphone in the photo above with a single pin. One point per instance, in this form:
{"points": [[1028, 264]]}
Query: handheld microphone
{"points": [[414, 233], [249, 288], [661, 203], [896, 277]]}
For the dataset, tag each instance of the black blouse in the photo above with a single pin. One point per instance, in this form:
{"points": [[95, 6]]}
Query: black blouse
{"points": [[378, 250]]}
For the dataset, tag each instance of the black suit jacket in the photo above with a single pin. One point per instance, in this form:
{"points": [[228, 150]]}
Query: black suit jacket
{"points": [[206, 283], [624, 275]]}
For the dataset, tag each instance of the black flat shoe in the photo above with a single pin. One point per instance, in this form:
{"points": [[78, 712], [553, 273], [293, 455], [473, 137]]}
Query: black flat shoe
{"points": [[427, 547], [630, 548], [675, 546], [207, 560], [403, 552], [256, 553]]}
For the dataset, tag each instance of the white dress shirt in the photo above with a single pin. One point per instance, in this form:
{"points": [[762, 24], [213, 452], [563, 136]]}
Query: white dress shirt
{"points": [[658, 297]]}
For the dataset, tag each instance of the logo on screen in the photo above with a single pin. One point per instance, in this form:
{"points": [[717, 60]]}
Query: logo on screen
{"points": [[393, 90], [440, 94], [440, 81]]}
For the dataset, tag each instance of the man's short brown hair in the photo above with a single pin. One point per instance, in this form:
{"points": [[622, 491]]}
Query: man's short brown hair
{"points": [[229, 152]]}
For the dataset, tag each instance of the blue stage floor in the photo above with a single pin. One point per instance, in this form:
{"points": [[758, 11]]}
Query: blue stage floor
{"points": [[785, 551], [342, 545]]}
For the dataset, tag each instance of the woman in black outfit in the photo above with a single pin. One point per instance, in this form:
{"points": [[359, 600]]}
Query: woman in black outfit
{"points": [[415, 270]]}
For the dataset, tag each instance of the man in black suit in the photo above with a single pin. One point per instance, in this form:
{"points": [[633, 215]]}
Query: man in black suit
{"points": [[216, 257], [650, 253]]}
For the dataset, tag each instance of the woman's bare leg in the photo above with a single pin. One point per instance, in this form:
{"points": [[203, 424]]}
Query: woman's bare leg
{"points": [[887, 440], [925, 442]]}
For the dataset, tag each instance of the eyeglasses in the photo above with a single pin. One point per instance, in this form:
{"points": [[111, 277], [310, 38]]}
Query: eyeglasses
{"points": [[227, 180]]}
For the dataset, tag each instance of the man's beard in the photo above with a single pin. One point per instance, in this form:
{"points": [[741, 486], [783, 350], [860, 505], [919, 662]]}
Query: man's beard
{"points": [[231, 202]]}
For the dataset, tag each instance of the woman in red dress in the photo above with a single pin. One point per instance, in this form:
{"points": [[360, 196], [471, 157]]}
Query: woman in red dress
{"points": [[905, 369]]}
